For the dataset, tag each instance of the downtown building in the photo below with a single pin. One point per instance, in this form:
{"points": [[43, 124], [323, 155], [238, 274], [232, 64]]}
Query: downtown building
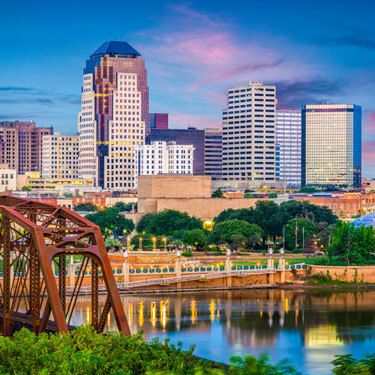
{"points": [[189, 136], [60, 156], [288, 143], [164, 158], [332, 145], [21, 145], [213, 153], [159, 121], [114, 116], [249, 147]]}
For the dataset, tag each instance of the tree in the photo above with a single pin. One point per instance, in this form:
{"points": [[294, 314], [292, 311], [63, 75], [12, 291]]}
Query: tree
{"points": [[352, 245], [110, 219], [308, 189], [218, 193], [89, 207], [195, 237], [246, 214], [125, 207], [304, 229], [236, 233], [165, 223]]}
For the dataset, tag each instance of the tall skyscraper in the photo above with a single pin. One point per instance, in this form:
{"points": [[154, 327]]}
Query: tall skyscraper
{"points": [[249, 149], [165, 158], [114, 115], [21, 145], [331, 145], [213, 153], [288, 140], [159, 121], [189, 136], [60, 156]]}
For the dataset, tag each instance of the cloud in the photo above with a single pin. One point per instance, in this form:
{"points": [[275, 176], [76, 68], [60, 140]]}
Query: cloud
{"points": [[15, 88], [349, 41], [296, 93], [197, 53]]}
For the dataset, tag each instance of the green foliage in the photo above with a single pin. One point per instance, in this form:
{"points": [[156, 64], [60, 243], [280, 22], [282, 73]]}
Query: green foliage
{"points": [[272, 195], [236, 233], [347, 365], [249, 195], [125, 207], [271, 217], [195, 237], [308, 189], [89, 207], [27, 188], [352, 245], [306, 229], [167, 222], [109, 219], [250, 365], [85, 352], [218, 193]]}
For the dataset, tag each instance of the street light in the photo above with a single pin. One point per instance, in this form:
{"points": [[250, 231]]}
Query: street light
{"points": [[140, 242], [154, 243], [128, 243]]}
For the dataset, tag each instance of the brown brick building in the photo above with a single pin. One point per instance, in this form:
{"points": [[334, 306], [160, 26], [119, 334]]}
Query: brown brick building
{"points": [[21, 145]]}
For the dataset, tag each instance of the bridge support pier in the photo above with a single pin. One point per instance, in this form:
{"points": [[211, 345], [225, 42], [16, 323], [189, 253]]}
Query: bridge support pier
{"points": [[178, 268], [125, 268], [282, 270]]}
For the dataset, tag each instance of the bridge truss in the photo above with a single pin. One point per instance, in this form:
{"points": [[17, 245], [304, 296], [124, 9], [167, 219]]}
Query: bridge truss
{"points": [[36, 241]]}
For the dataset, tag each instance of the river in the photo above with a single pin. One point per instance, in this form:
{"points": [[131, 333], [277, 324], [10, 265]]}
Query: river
{"points": [[307, 326]]}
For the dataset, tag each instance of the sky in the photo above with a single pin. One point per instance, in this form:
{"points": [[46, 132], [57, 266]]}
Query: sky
{"points": [[314, 51]]}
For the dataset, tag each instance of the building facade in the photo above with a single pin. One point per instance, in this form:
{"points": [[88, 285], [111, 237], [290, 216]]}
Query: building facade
{"points": [[249, 147], [288, 141], [165, 158], [189, 136], [114, 115], [213, 153], [159, 121], [8, 178], [60, 156], [331, 145], [21, 145]]}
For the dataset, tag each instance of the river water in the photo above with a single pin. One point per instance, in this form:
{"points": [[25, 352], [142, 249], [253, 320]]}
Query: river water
{"points": [[307, 326]]}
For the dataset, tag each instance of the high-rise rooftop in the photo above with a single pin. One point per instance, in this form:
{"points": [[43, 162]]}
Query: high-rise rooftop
{"points": [[116, 49]]}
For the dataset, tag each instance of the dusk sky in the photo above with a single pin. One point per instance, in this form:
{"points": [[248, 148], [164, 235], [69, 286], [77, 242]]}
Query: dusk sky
{"points": [[314, 51]]}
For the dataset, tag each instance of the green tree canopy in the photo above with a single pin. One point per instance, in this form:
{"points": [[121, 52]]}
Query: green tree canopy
{"points": [[195, 237], [165, 223], [111, 219], [236, 233], [218, 193], [125, 207], [304, 229], [89, 207], [351, 244]]}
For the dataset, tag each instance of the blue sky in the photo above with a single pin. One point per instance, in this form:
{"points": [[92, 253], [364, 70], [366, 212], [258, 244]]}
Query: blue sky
{"points": [[314, 51]]}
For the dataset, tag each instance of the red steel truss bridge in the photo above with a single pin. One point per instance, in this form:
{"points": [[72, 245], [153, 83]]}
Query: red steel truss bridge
{"points": [[36, 240]]}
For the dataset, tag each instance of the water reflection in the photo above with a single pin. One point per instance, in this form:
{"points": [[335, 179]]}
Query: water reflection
{"points": [[309, 327]]}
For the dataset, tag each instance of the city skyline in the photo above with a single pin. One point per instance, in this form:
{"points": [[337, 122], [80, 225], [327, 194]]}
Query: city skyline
{"points": [[196, 51]]}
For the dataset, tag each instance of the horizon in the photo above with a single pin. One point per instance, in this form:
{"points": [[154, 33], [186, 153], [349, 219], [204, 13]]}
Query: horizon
{"points": [[193, 53]]}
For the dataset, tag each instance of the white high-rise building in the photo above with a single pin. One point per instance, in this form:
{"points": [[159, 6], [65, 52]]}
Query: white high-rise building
{"points": [[164, 158], [114, 115], [60, 156], [249, 148], [332, 145], [288, 140]]}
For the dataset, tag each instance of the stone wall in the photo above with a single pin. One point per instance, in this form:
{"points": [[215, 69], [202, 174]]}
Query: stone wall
{"points": [[364, 274]]}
